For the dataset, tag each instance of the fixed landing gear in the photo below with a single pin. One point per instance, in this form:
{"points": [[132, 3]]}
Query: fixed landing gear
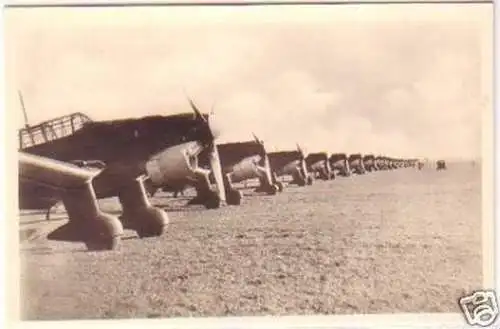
{"points": [[298, 179], [269, 189], [344, 173], [324, 175], [209, 199], [300, 182], [277, 183], [233, 197], [139, 214], [87, 223], [103, 233], [204, 195]]}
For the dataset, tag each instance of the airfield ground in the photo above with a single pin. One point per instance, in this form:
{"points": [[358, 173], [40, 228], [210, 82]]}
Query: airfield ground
{"points": [[390, 241]]}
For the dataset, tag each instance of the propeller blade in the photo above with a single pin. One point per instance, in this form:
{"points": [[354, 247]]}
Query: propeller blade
{"points": [[304, 168], [304, 155], [217, 171], [214, 126], [212, 109], [255, 137], [267, 163], [196, 111], [299, 149]]}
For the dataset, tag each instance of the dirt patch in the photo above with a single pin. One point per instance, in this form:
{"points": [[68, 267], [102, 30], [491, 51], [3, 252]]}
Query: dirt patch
{"points": [[398, 241]]}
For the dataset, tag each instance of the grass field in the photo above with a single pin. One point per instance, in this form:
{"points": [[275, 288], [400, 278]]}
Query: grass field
{"points": [[391, 241]]}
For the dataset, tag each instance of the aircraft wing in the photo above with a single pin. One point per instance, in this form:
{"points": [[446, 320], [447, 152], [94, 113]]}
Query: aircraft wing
{"points": [[42, 180]]}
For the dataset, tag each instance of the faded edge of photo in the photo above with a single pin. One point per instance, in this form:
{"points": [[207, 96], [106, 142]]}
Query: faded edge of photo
{"points": [[12, 259]]}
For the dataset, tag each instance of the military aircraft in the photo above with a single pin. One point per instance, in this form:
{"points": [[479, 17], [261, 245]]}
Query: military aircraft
{"points": [[414, 163], [53, 153], [391, 163], [382, 162], [440, 165], [240, 162], [290, 163], [340, 164], [319, 165], [369, 162], [394, 163], [356, 163]]}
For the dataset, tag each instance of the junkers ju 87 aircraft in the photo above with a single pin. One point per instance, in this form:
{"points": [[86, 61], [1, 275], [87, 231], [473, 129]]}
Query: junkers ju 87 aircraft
{"points": [[356, 164], [369, 162], [319, 166], [51, 155], [242, 161], [340, 164], [290, 163]]}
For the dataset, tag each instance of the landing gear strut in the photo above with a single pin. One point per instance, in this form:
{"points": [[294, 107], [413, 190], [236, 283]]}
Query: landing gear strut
{"points": [[269, 189], [204, 195], [98, 230], [233, 196], [139, 214]]}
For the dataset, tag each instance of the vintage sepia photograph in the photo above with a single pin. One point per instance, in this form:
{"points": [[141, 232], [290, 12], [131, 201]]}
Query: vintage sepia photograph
{"points": [[229, 161]]}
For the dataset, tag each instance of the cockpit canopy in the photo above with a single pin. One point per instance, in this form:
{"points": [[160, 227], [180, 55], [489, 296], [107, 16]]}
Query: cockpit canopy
{"points": [[51, 130]]}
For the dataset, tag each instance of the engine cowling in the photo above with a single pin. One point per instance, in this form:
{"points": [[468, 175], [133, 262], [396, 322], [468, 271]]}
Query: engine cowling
{"points": [[340, 164], [318, 165], [245, 169], [355, 162], [292, 167], [176, 163]]}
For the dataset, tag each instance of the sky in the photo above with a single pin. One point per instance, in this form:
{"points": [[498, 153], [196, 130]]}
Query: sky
{"points": [[401, 80]]}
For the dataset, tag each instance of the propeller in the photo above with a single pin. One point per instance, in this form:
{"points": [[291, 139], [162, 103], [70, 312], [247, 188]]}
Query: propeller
{"points": [[265, 157], [212, 112], [214, 158], [215, 163], [299, 149], [197, 112], [257, 139], [303, 162], [217, 171]]}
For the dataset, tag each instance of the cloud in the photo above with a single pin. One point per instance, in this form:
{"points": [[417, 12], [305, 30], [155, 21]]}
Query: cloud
{"points": [[392, 83]]}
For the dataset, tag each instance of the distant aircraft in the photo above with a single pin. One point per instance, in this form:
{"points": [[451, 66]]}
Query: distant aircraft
{"points": [[290, 163], [440, 165], [382, 162], [163, 148], [340, 164], [356, 163], [242, 161], [369, 162], [319, 165]]}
